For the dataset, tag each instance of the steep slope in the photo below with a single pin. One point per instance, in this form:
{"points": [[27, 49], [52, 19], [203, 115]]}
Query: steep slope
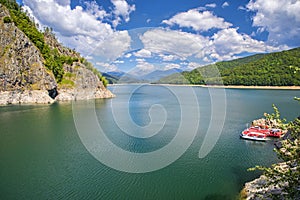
{"points": [[80, 79], [36, 68], [21, 66]]}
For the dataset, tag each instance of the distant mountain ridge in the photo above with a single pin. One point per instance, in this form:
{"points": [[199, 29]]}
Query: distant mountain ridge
{"points": [[122, 77], [158, 74], [270, 69]]}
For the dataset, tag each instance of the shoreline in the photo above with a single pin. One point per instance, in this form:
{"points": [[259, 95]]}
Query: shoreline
{"points": [[219, 86]]}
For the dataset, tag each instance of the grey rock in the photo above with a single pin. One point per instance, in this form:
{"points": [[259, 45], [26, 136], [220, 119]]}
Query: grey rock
{"points": [[21, 64], [25, 79]]}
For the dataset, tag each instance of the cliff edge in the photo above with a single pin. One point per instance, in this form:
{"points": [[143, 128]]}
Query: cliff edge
{"points": [[27, 74]]}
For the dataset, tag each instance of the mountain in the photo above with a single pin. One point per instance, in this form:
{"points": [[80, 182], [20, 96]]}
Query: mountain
{"points": [[272, 69], [36, 68], [158, 74], [121, 77]]}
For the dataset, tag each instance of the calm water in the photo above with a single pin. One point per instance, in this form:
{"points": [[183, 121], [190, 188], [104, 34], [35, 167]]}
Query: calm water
{"points": [[42, 156]]}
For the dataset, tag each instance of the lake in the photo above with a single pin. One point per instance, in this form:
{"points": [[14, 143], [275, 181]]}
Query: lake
{"points": [[51, 151]]}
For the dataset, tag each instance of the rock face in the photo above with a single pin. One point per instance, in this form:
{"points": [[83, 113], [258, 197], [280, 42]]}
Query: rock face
{"points": [[21, 64], [87, 85], [25, 79], [258, 189]]}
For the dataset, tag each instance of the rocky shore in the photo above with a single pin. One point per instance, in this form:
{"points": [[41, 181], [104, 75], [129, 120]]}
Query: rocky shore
{"points": [[42, 96], [260, 188], [281, 180], [25, 97]]}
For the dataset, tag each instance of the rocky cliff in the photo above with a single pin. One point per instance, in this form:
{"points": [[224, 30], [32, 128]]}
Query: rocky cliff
{"points": [[24, 77]]}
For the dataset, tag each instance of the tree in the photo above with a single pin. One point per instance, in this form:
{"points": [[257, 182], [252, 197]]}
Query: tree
{"points": [[287, 174]]}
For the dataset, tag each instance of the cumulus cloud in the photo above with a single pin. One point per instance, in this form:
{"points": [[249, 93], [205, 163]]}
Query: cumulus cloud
{"points": [[223, 45], [228, 43], [197, 20], [82, 29], [67, 21], [171, 66], [142, 68], [169, 57], [144, 53], [122, 10], [106, 67], [181, 44], [281, 18]]}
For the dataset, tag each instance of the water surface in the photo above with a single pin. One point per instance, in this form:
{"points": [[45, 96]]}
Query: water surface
{"points": [[42, 157]]}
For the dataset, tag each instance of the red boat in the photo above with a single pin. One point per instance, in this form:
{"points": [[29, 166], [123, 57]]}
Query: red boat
{"points": [[260, 134], [249, 135]]}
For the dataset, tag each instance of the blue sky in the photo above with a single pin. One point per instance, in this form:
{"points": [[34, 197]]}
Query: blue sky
{"points": [[141, 36]]}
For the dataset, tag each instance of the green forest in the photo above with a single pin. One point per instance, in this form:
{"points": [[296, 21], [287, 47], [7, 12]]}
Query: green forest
{"points": [[54, 60], [272, 69]]}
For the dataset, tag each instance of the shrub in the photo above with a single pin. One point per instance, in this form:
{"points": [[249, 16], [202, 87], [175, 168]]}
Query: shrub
{"points": [[7, 19]]}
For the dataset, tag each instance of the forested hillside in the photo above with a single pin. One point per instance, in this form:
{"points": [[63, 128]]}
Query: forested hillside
{"points": [[273, 69]]}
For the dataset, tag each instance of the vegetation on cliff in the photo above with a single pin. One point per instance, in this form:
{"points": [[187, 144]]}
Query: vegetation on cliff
{"points": [[54, 59], [285, 176], [273, 69]]}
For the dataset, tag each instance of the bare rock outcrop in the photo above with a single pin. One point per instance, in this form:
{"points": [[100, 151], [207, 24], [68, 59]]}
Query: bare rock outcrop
{"points": [[21, 64], [24, 77], [86, 85]]}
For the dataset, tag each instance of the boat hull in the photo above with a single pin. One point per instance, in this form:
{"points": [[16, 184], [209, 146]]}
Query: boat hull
{"points": [[253, 138]]}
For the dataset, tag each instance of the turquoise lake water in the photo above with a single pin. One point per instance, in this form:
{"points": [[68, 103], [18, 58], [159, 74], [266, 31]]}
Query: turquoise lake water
{"points": [[43, 157]]}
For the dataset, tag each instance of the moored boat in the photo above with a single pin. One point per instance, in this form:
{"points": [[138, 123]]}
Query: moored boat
{"points": [[255, 133], [253, 136]]}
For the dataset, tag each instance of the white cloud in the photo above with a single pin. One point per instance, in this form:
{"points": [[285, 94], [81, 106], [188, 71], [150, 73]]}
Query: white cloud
{"points": [[199, 21], [119, 61], [192, 65], [281, 18], [168, 57], [140, 60], [93, 8], [144, 53], [223, 45], [106, 67], [227, 43], [171, 66], [242, 8], [142, 68], [67, 21], [211, 5], [82, 29], [128, 55], [122, 10], [181, 44], [113, 47], [89, 57], [225, 4]]}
